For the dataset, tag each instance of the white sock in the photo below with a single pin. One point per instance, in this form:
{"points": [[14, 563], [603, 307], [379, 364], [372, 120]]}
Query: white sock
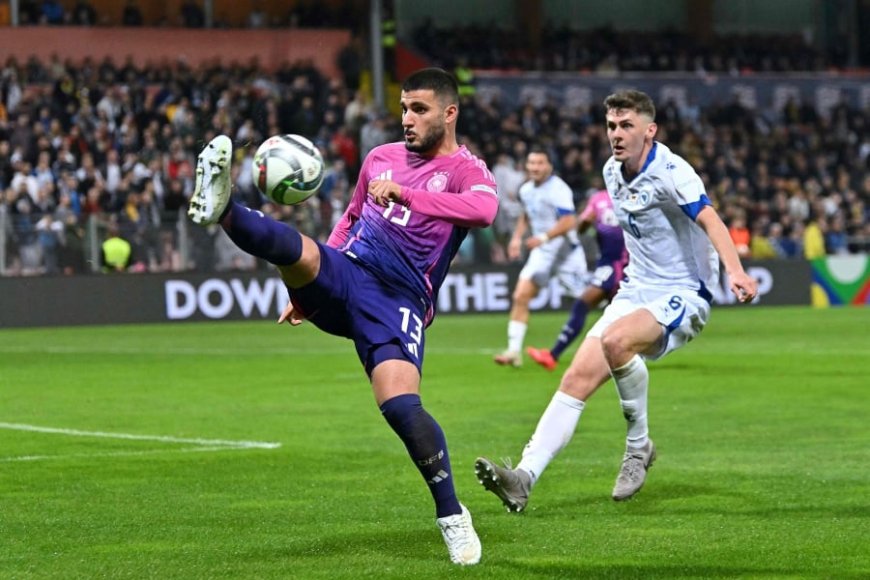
{"points": [[632, 384], [516, 335], [555, 429]]}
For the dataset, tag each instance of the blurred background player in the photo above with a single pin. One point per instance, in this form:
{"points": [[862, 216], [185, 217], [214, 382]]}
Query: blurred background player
{"points": [[375, 279], [675, 240], [604, 281], [555, 250]]}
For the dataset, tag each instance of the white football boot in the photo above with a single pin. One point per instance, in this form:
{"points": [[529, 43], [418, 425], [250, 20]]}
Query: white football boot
{"points": [[508, 358], [213, 183], [460, 537]]}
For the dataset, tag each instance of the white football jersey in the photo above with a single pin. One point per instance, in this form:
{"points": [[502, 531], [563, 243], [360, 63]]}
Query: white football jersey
{"points": [[657, 210], [545, 204]]}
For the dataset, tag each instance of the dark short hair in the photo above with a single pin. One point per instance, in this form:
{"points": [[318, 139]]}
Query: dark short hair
{"points": [[437, 80], [632, 100], [538, 150]]}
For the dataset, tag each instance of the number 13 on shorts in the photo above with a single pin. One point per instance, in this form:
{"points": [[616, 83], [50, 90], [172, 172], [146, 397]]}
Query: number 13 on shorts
{"points": [[413, 327]]}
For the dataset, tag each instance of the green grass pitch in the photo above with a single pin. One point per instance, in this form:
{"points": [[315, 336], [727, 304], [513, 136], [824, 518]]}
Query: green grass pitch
{"points": [[144, 452]]}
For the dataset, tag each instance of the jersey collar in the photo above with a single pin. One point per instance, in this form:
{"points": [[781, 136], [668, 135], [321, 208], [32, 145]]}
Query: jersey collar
{"points": [[650, 157]]}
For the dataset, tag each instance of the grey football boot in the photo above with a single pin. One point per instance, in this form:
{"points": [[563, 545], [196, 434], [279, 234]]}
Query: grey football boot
{"points": [[632, 474], [512, 486]]}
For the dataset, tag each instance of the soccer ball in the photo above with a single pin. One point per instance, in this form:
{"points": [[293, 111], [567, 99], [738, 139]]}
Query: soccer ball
{"points": [[288, 169]]}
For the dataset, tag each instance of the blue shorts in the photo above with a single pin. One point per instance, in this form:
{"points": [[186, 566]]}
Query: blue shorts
{"points": [[384, 322]]}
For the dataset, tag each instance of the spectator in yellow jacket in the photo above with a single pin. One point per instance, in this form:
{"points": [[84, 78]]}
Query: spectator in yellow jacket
{"points": [[116, 251], [814, 240]]}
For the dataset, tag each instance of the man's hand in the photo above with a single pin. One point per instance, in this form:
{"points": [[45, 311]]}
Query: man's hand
{"points": [[384, 191], [535, 241], [744, 286], [290, 316]]}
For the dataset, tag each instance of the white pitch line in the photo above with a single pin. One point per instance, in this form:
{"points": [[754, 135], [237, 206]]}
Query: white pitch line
{"points": [[116, 453], [85, 349], [134, 437]]}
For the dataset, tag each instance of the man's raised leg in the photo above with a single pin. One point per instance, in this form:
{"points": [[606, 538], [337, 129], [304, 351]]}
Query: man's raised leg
{"points": [[251, 230]]}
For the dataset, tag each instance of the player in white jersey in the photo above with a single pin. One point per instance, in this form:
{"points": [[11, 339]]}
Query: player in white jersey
{"points": [[673, 236], [554, 248]]}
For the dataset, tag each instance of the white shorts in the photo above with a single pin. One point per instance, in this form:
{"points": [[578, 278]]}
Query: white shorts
{"points": [[566, 263], [682, 314]]}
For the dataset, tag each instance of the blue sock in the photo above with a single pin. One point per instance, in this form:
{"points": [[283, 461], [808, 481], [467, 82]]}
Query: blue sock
{"points": [[262, 236], [571, 329], [427, 447]]}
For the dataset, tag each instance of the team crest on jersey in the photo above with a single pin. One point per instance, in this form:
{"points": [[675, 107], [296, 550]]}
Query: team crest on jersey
{"points": [[437, 182], [638, 198]]}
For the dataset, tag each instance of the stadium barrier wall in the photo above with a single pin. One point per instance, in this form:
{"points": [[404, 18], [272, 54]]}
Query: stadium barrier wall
{"points": [[149, 298], [159, 46]]}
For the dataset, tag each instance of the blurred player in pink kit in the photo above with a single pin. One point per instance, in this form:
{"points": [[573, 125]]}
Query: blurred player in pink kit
{"points": [[604, 282], [376, 279]]}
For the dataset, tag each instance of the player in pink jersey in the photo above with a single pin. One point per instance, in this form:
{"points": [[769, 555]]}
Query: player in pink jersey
{"points": [[604, 282], [376, 279]]}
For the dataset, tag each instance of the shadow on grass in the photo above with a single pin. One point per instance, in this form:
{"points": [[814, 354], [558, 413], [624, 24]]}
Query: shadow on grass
{"points": [[646, 572], [665, 499], [385, 552]]}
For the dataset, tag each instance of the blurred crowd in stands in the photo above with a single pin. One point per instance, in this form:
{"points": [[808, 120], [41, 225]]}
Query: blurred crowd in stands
{"points": [[606, 51], [789, 184], [311, 14], [560, 48], [90, 147]]}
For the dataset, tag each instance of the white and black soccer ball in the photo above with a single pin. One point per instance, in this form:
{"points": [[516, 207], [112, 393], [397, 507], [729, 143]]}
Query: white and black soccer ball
{"points": [[288, 169]]}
